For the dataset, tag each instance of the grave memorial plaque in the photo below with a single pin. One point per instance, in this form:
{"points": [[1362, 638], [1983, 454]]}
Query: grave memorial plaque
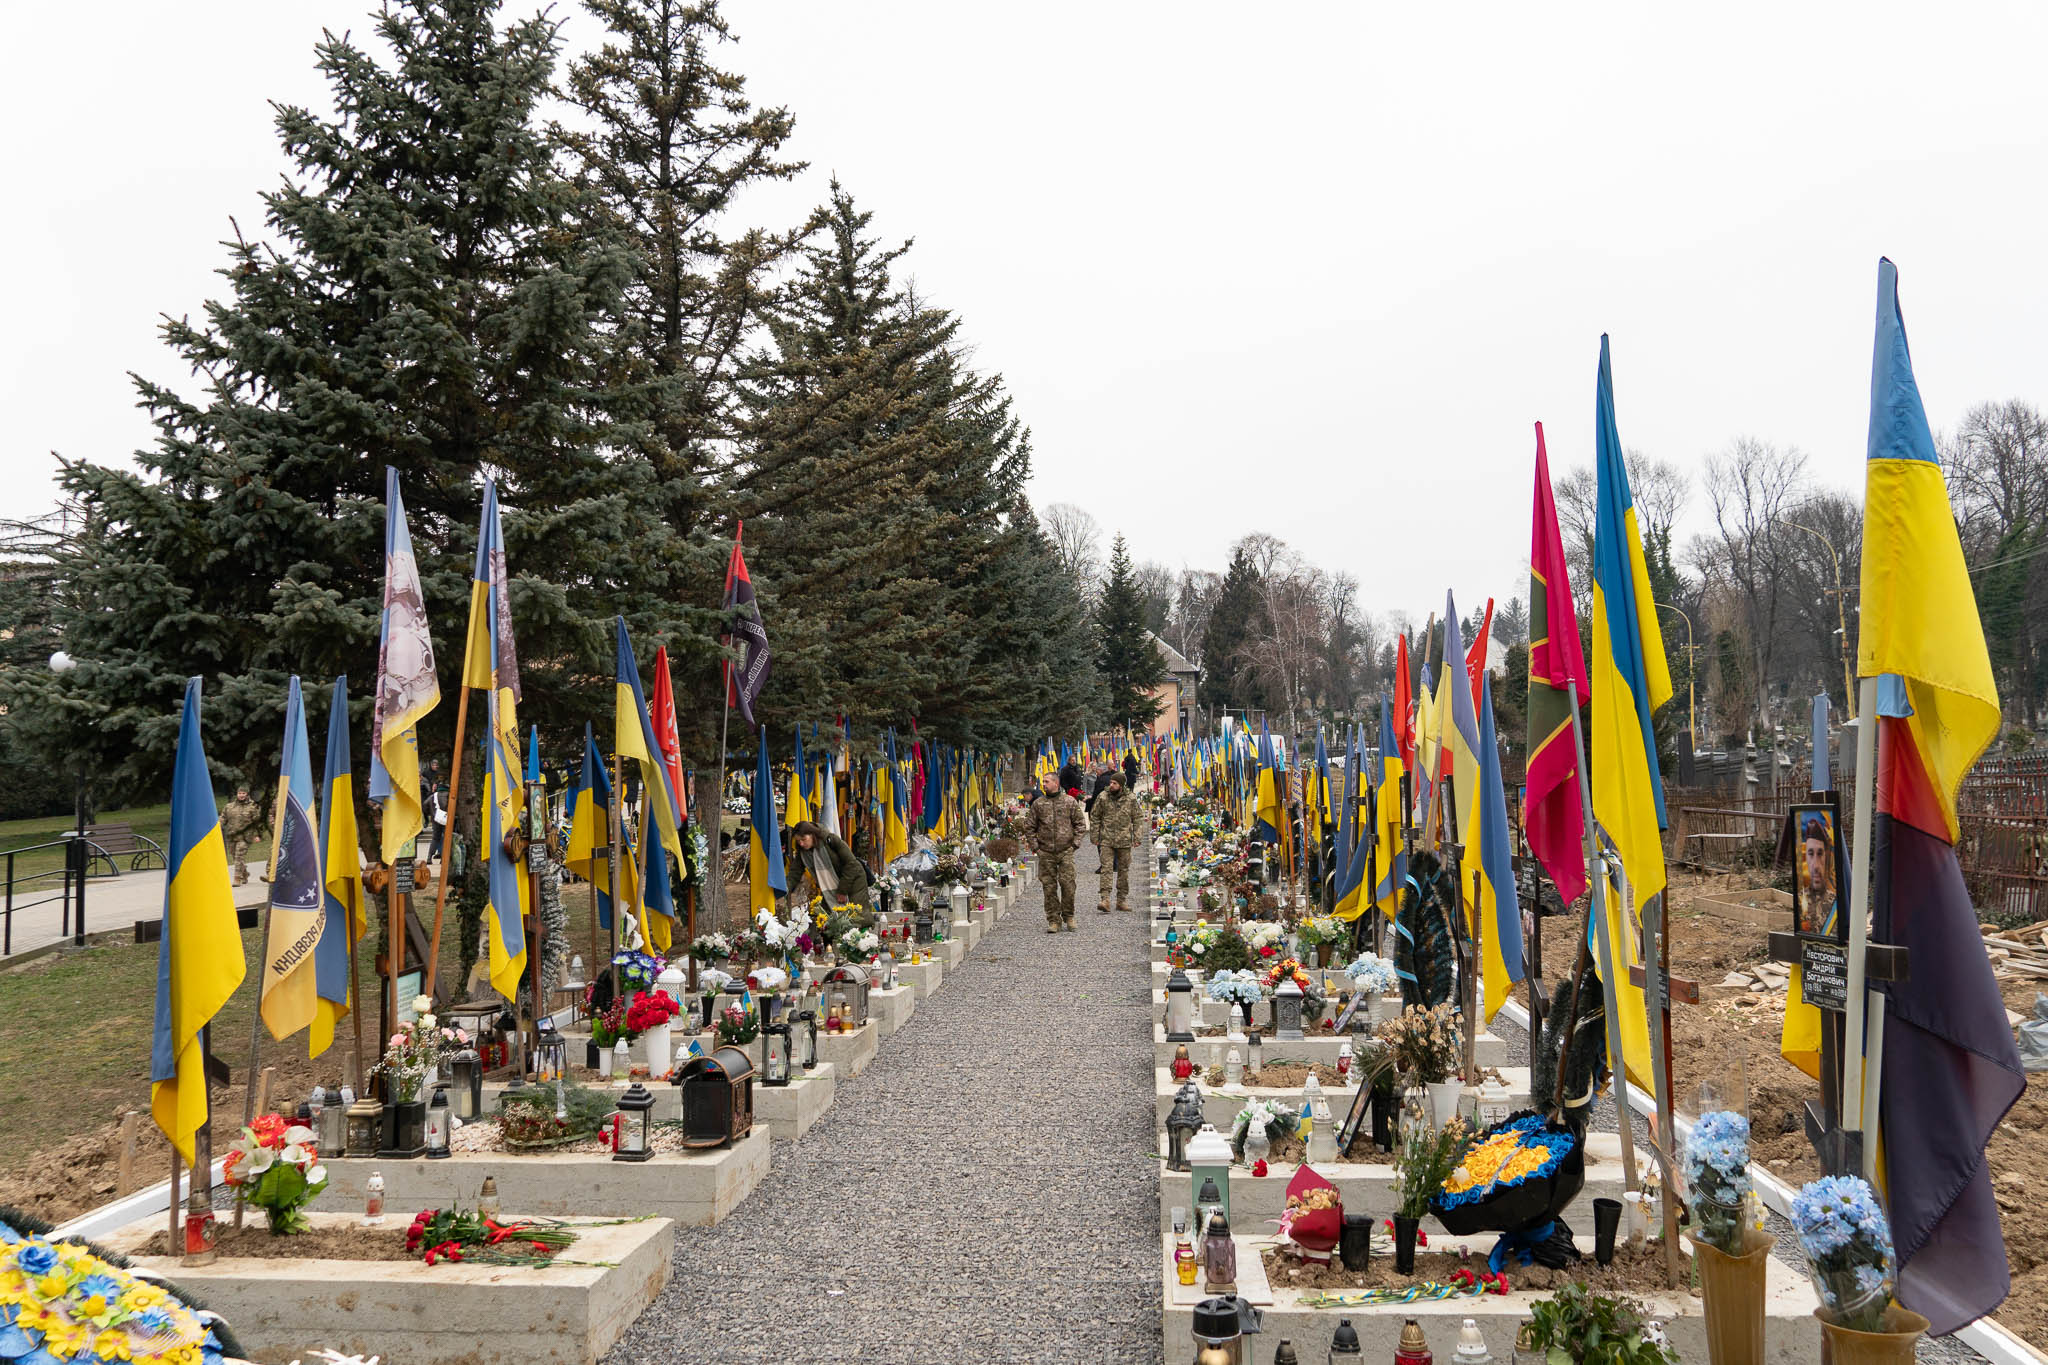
{"points": [[1824, 974]]}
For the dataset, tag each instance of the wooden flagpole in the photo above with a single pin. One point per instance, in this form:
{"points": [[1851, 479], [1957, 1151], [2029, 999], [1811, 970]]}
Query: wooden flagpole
{"points": [[448, 832]]}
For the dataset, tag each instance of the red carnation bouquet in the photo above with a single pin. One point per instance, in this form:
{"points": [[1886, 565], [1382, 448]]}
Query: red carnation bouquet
{"points": [[650, 1009]]}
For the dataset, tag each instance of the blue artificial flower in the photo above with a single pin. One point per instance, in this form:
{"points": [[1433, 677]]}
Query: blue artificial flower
{"points": [[37, 1258], [154, 1322], [105, 1286]]}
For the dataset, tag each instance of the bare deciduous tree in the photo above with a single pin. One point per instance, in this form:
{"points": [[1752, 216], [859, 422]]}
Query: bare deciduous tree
{"points": [[1752, 486], [1077, 539]]}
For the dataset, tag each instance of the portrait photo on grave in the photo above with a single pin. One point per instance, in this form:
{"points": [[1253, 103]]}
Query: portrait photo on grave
{"points": [[1819, 874]]}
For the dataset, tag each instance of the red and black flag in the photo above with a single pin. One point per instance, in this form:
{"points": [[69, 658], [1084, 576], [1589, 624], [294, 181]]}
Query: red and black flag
{"points": [[1553, 813], [744, 679]]}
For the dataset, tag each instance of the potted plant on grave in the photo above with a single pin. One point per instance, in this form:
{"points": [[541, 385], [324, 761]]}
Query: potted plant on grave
{"points": [[738, 1025], [1575, 1326], [277, 1168], [1426, 1159], [649, 1017], [1848, 1245], [531, 1120]]}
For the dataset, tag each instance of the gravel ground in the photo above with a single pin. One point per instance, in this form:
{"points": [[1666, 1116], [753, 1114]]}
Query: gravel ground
{"points": [[1946, 1350], [982, 1192]]}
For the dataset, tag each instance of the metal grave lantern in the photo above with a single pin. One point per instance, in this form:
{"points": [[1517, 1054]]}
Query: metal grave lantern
{"points": [[365, 1127], [922, 923], [636, 1125], [962, 901], [1219, 1330], [1209, 1161], [333, 1135], [804, 1040], [1344, 1344], [718, 1097], [437, 1123], [775, 1049], [466, 1069], [1182, 1124], [1180, 1005], [1287, 1011], [846, 987]]}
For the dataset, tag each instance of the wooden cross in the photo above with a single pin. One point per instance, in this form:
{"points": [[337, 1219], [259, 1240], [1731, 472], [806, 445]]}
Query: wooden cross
{"points": [[1824, 984]]}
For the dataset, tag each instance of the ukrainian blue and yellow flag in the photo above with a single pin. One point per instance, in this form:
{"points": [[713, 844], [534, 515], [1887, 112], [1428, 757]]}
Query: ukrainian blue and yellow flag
{"points": [[1267, 815], [796, 807], [1630, 681], [490, 662], [588, 854], [1392, 859], [199, 962], [661, 822], [1499, 902], [347, 919], [764, 841], [1351, 850]]}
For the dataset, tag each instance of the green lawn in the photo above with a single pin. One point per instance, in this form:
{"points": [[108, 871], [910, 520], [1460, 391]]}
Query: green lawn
{"points": [[152, 822]]}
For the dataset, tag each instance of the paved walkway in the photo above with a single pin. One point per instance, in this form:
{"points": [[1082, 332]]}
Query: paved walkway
{"points": [[112, 905], [982, 1192]]}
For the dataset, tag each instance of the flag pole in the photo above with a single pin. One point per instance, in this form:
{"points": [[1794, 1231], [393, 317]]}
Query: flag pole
{"points": [[355, 1002], [448, 832], [1859, 1093], [1596, 865], [615, 815]]}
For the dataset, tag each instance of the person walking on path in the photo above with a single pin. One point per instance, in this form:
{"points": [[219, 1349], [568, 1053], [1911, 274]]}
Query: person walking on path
{"points": [[1116, 820], [1051, 828], [240, 821]]}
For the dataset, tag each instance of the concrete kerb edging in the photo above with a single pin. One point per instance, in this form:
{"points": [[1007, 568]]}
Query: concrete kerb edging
{"points": [[1983, 1336]]}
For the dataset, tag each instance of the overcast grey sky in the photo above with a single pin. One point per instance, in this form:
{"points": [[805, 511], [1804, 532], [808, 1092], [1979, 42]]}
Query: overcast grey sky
{"points": [[1308, 269]]}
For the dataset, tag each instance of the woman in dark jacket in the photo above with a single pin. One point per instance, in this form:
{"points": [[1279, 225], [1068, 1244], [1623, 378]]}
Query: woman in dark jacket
{"points": [[840, 877]]}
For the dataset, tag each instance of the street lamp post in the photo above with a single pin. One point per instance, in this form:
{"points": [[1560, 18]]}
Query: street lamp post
{"points": [[1841, 615], [1692, 669]]}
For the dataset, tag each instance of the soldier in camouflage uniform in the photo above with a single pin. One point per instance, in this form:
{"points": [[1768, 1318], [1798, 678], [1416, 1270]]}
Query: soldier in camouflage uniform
{"points": [[240, 822], [1116, 821], [1052, 829]]}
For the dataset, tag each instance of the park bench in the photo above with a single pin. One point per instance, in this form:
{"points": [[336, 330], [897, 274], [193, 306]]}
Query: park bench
{"points": [[108, 843]]}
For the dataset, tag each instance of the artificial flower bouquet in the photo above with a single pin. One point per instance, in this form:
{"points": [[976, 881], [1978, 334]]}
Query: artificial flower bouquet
{"points": [[415, 1049], [60, 1303], [1265, 940], [861, 944], [1317, 930], [649, 1010], [768, 980], [608, 1025], [1516, 1174], [1276, 1119], [738, 1025], [1373, 974], [711, 947], [1848, 1243], [277, 1168], [1717, 1178], [1239, 990], [637, 969]]}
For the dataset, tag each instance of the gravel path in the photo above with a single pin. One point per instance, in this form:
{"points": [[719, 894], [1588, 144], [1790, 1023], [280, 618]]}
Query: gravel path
{"points": [[1946, 1350], [982, 1192]]}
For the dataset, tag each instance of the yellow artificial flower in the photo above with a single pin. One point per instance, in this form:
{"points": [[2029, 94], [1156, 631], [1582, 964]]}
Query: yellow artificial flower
{"points": [[140, 1295], [62, 1337], [112, 1345], [52, 1286]]}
